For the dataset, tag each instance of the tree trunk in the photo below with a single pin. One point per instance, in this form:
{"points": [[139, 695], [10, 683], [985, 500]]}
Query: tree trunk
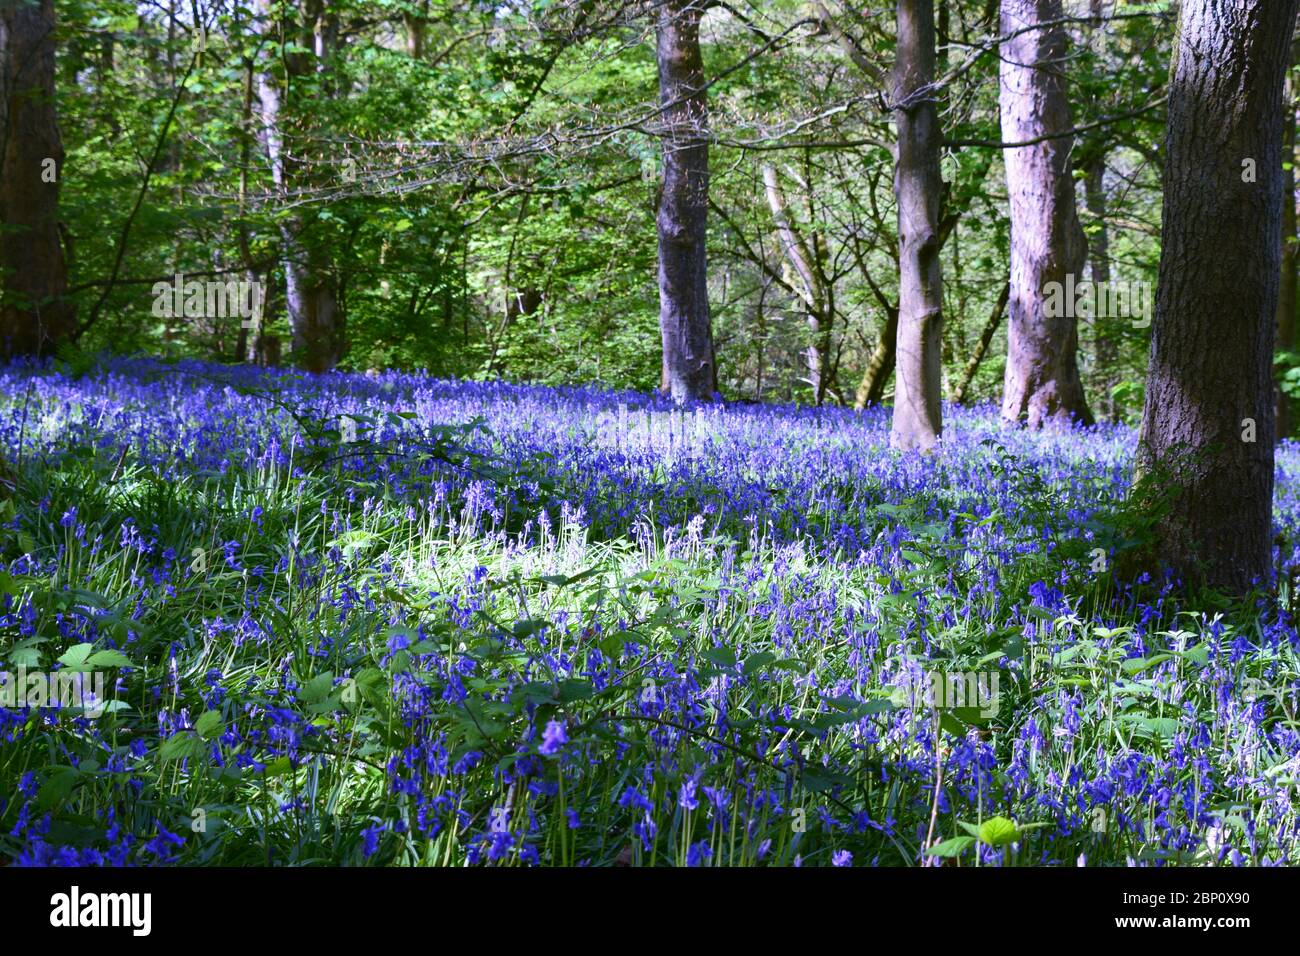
{"points": [[1286, 301], [918, 421], [689, 369], [311, 296], [416, 19], [982, 346], [1105, 346], [34, 315], [247, 347], [872, 387], [812, 290], [1208, 424], [1047, 242]]}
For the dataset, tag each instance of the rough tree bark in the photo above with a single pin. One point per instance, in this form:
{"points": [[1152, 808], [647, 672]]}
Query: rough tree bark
{"points": [[689, 367], [34, 315], [1286, 300], [1208, 423], [1047, 242], [918, 422]]}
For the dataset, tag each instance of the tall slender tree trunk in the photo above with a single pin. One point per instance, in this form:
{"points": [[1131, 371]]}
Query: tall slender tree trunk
{"points": [[311, 288], [812, 290], [1208, 423], [918, 422], [1286, 300], [247, 346], [1047, 243], [689, 366], [982, 346], [1105, 346], [34, 315]]}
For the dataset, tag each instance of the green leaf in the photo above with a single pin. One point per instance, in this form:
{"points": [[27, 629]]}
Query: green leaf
{"points": [[372, 685], [998, 831], [75, 656], [278, 767], [722, 656], [25, 653], [316, 689], [824, 781], [571, 690], [526, 627], [109, 658], [1135, 665], [790, 664], [182, 746], [951, 848], [57, 787], [210, 725], [878, 706]]}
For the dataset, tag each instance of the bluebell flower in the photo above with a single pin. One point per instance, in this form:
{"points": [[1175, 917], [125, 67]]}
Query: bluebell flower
{"points": [[699, 854], [553, 738]]}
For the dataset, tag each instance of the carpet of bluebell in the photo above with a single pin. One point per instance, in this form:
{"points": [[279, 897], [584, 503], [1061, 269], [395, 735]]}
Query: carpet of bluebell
{"points": [[391, 620]]}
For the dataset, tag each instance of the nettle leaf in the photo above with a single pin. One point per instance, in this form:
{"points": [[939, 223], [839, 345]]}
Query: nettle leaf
{"points": [[75, 657], [210, 725], [182, 746], [951, 722], [317, 689], [109, 658], [1162, 726], [561, 580], [57, 787], [25, 653], [998, 831]]}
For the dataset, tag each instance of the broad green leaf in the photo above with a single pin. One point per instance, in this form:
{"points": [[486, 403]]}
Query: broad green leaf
{"points": [[76, 655], [998, 831], [109, 658], [182, 746], [951, 848], [210, 725], [317, 689]]}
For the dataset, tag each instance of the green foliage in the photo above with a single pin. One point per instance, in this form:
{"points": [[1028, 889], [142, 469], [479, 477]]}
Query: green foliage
{"points": [[488, 209]]}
